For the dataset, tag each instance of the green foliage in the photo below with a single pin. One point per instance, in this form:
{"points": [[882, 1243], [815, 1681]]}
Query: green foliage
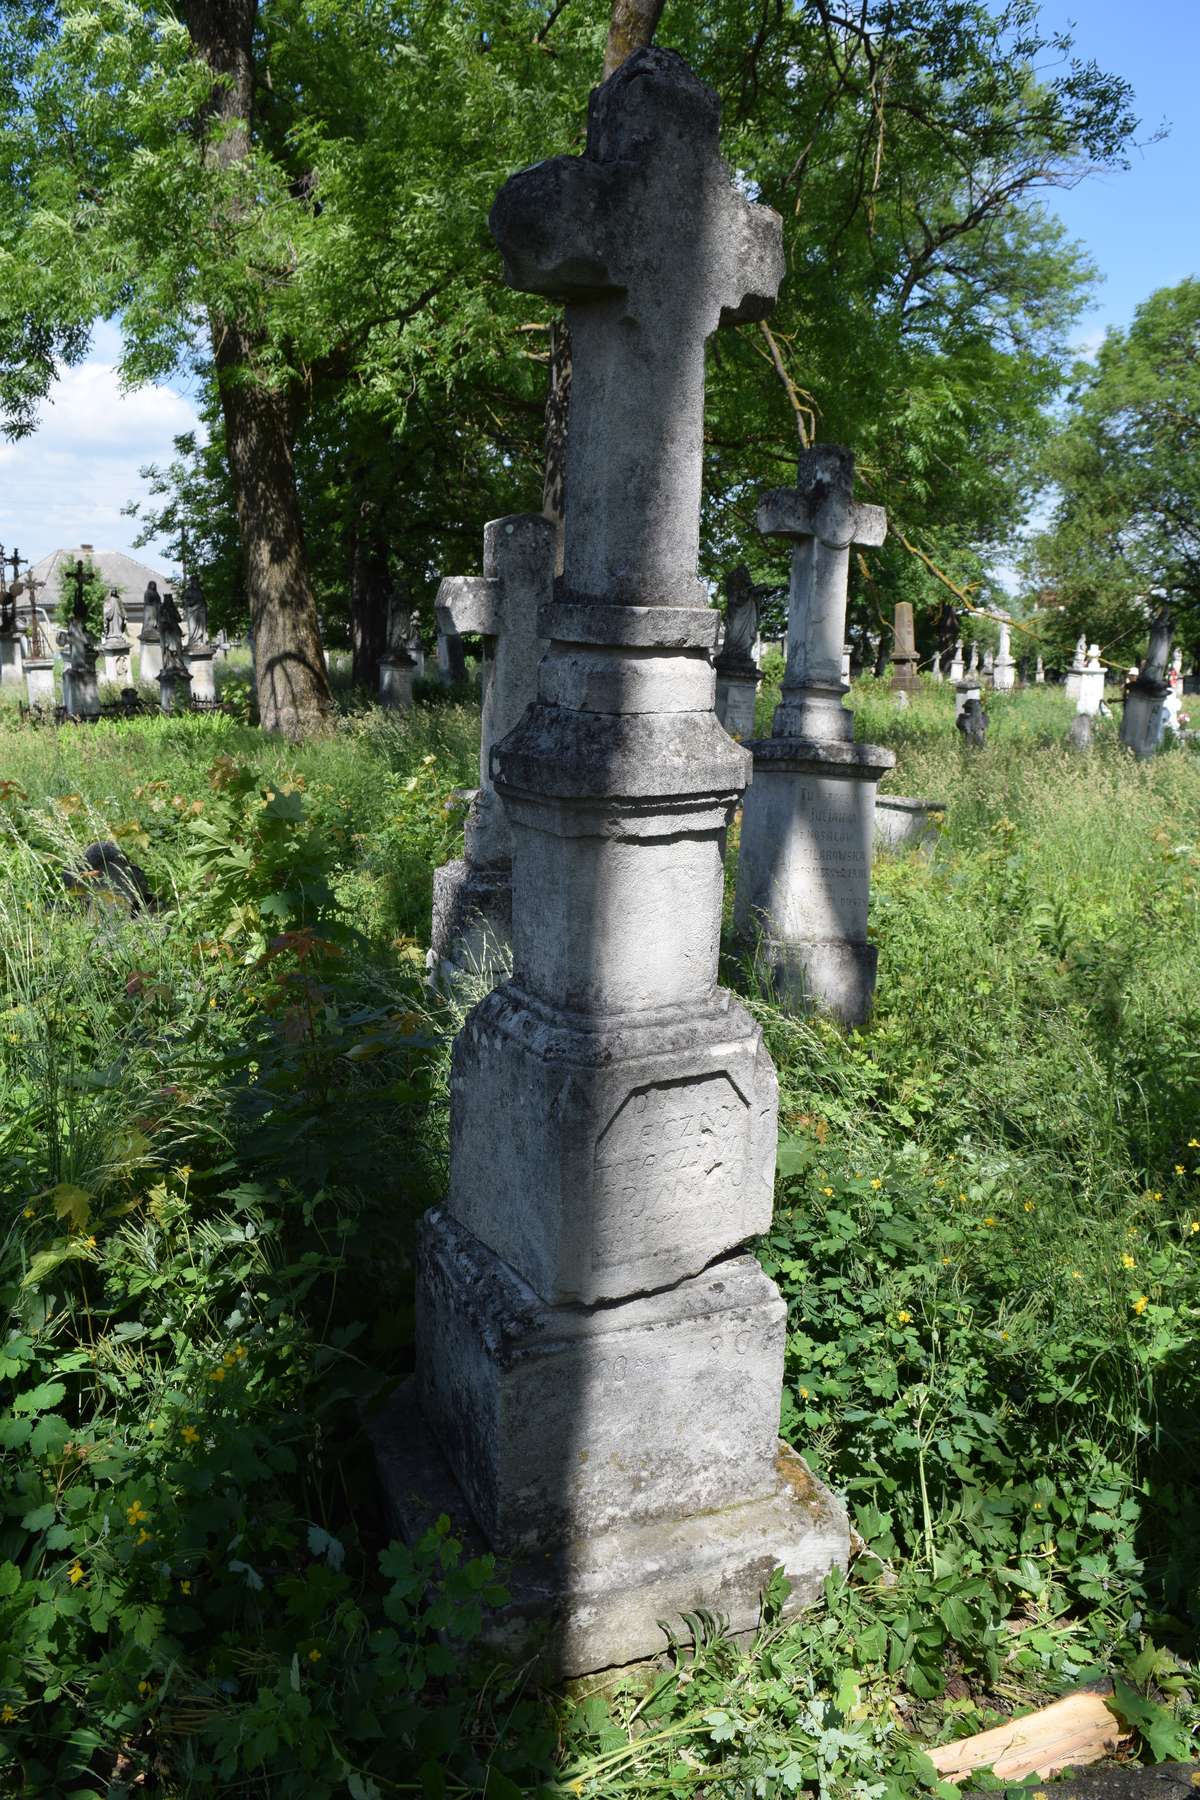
{"points": [[1126, 526], [94, 595], [984, 1232]]}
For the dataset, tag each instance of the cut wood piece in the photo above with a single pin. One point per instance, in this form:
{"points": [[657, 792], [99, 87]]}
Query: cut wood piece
{"points": [[1072, 1732]]}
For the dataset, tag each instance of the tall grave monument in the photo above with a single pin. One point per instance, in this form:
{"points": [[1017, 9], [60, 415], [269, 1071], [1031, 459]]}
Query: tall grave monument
{"points": [[804, 873], [905, 660], [472, 896], [598, 1361], [1142, 719]]}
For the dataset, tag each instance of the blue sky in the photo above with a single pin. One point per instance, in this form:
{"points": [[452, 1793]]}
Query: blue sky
{"points": [[68, 483]]}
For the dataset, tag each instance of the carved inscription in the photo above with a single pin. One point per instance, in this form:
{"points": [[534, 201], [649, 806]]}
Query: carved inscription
{"points": [[669, 1157], [828, 874]]}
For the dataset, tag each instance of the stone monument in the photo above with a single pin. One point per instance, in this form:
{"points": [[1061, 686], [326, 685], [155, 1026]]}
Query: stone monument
{"points": [[451, 658], [149, 641], [198, 650], [1142, 720], [804, 873], [472, 896], [956, 662], [81, 694], [1004, 669], [1077, 670], [11, 663], [398, 664], [115, 642], [1090, 696], [737, 671], [1040, 673], [597, 1359], [904, 650], [972, 673], [174, 676], [37, 655]]}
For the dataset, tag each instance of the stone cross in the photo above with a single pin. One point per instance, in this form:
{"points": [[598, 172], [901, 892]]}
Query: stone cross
{"points": [[821, 519], [578, 228], [598, 1359]]}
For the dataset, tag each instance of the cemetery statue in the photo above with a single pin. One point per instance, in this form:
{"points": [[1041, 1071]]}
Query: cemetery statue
{"points": [[972, 722], [195, 609], [741, 618], [78, 646], [401, 625], [150, 605], [170, 627], [115, 623]]}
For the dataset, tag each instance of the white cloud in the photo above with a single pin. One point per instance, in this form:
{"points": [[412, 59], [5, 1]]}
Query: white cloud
{"points": [[67, 482]]}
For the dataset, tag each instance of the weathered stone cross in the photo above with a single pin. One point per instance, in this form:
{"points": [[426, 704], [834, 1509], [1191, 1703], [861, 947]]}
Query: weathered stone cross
{"points": [[502, 605], [652, 247], [822, 520]]}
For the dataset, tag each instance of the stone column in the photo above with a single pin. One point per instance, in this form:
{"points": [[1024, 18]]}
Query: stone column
{"points": [[804, 873], [472, 896], [1091, 685], [174, 689], [1040, 674], [1142, 720], [904, 650], [1004, 669], [956, 662], [598, 1360], [1077, 671]]}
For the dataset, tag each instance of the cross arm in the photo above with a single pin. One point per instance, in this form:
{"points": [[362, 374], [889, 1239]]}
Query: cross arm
{"points": [[789, 513], [468, 603], [551, 226]]}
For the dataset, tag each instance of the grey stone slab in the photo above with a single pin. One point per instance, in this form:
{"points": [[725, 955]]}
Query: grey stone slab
{"points": [[396, 682], [597, 1603], [905, 823], [1164, 1781], [736, 696], [633, 1155]]}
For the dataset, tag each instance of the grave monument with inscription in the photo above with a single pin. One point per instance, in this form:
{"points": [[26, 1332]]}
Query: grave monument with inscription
{"points": [[115, 642], [1142, 719], [598, 1360], [149, 641], [804, 873], [472, 896]]}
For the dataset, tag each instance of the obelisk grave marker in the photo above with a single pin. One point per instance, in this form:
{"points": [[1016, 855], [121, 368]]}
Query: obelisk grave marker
{"points": [[804, 873], [598, 1360]]}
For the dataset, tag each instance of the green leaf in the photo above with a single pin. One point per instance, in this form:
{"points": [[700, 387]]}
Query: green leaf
{"points": [[499, 1787], [40, 1399], [71, 1203], [50, 1434], [1166, 1738], [40, 1517], [10, 1579]]}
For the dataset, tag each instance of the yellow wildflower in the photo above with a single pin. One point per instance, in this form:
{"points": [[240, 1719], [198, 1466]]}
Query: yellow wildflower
{"points": [[1194, 1143], [1156, 1195], [1179, 1169], [905, 1318], [229, 1359], [804, 1394], [1029, 1206], [28, 1213], [143, 1687], [8, 1714], [875, 1182], [828, 1191], [217, 1374], [989, 1220], [240, 1351], [1127, 1261], [945, 1262], [314, 1656], [1195, 1225], [1076, 1274], [1140, 1304], [136, 1513], [190, 1435], [185, 1587], [75, 1574], [144, 1536]]}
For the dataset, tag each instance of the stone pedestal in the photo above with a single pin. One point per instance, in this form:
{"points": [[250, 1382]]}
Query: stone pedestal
{"points": [[149, 656], [471, 931], [1143, 719], [396, 682], [451, 659], [1077, 671], [80, 693], [1091, 683], [598, 1362], [902, 823], [11, 664], [200, 667], [804, 872], [39, 681], [956, 662], [174, 690], [115, 651], [737, 690], [905, 660], [1040, 673]]}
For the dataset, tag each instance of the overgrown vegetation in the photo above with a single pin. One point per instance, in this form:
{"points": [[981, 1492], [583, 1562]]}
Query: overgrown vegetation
{"points": [[220, 1119]]}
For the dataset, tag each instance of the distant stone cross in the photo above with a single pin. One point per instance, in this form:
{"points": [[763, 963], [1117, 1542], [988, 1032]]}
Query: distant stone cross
{"points": [[502, 605], [652, 247], [823, 520], [79, 577]]}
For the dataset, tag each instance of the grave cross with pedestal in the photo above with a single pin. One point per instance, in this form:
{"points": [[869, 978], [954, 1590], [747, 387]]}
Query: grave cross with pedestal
{"points": [[1142, 720], [598, 1361], [472, 896], [804, 872], [11, 665]]}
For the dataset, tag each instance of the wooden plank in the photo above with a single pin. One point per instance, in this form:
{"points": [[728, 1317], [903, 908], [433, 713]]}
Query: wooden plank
{"points": [[1072, 1732]]}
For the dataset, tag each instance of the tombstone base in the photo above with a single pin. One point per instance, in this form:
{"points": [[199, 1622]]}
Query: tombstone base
{"points": [[200, 667], [736, 694], [596, 1604], [39, 681], [149, 658], [81, 696], [471, 936], [1142, 721], [11, 669], [902, 823], [396, 683]]}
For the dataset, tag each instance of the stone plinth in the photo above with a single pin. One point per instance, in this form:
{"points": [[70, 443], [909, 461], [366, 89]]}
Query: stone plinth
{"points": [[613, 1112], [1004, 669], [1090, 692], [396, 682], [115, 651], [1077, 671], [472, 896], [149, 656], [903, 823], [39, 680], [1143, 719], [12, 671], [80, 693], [804, 871], [174, 690], [737, 691], [200, 667]]}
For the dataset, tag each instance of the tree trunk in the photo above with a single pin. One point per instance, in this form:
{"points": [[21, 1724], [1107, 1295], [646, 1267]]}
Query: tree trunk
{"points": [[289, 665], [631, 26], [369, 588]]}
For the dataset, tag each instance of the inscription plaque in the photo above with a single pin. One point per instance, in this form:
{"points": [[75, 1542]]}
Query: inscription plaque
{"points": [[669, 1153]]}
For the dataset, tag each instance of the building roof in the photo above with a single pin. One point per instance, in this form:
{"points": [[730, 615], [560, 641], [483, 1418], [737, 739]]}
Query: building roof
{"points": [[114, 568]]}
